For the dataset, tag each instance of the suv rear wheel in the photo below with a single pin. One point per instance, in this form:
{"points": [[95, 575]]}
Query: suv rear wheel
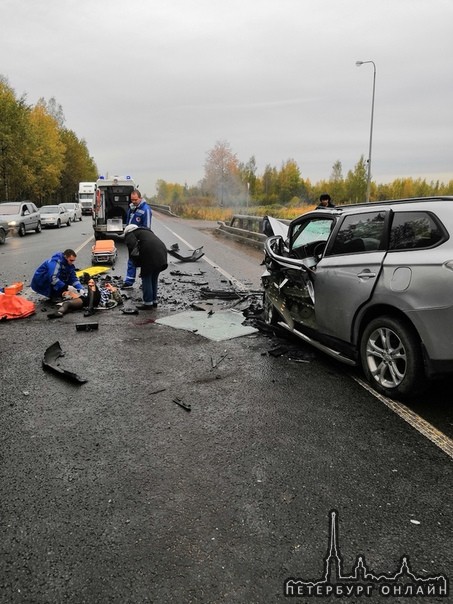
{"points": [[391, 357]]}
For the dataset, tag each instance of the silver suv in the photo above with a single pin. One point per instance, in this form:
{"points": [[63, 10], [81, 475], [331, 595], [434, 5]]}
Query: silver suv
{"points": [[371, 285]]}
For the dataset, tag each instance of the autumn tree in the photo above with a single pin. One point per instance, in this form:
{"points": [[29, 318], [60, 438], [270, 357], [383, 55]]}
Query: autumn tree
{"points": [[247, 174], [222, 177], [266, 187], [169, 193], [290, 183], [45, 153], [14, 133], [356, 182], [78, 166], [336, 183]]}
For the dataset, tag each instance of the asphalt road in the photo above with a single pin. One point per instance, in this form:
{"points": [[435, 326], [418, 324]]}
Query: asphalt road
{"points": [[111, 492]]}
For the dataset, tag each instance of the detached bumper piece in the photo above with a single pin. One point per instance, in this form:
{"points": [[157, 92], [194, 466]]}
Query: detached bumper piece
{"points": [[196, 254], [87, 326], [49, 363]]}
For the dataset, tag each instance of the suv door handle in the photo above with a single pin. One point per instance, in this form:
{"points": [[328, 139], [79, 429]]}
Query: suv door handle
{"points": [[366, 274]]}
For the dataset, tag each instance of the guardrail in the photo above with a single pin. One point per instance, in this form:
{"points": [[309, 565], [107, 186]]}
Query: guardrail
{"points": [[245, 229], [242, 228], [163, 209]]}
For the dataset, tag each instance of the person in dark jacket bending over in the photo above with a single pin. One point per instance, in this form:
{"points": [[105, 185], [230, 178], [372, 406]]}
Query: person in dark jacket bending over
{"points": [[55, 275], [149, 253], [140, 214]]}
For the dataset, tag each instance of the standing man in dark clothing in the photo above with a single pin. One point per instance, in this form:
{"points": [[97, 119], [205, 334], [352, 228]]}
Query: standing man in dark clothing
{"points": [[149, 253], [325, 201], [140, 214]]}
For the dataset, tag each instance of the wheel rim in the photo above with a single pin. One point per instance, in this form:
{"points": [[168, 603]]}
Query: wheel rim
{"points": [[386, 357]]}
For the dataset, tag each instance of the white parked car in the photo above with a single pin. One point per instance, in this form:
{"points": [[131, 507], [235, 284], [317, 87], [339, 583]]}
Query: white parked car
{"points": [[54, 216], [74, 209]]}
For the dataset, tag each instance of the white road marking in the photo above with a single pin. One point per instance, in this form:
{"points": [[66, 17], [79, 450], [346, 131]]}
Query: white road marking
{"points": [[214, 265], [425, 428]]}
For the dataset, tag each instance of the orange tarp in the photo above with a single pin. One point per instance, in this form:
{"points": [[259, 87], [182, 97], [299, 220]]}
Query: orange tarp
{"points": [[15, 307]]}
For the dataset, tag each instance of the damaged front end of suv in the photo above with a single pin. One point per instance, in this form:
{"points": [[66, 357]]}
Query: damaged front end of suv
{"points": [[369, 284]]}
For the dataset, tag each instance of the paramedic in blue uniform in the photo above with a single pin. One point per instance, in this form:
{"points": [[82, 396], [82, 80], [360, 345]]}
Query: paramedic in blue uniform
{"points": [[139, 214], [55, 275]]}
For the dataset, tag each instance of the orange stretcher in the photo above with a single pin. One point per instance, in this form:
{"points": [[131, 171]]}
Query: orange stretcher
{"points": [[104, 252]]}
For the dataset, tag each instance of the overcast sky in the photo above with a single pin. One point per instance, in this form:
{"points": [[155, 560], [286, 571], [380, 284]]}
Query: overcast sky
{"points": [[152, 86]]}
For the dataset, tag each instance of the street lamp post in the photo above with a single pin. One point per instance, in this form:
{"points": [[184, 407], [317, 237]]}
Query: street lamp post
{"points": [[368, 185]]}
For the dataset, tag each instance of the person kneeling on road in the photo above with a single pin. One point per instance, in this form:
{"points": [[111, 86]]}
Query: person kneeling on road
{"points": [[55, 275], [149, 253]]}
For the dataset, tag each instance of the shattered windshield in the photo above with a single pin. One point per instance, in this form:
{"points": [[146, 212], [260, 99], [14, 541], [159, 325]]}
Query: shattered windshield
{"points": [[307, 232]]}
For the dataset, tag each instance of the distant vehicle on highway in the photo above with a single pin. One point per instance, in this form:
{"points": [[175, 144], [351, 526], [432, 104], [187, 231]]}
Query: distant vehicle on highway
{"points": [[85, 197], [54, 216], [74, 209], [21, 216], [371, 285]]}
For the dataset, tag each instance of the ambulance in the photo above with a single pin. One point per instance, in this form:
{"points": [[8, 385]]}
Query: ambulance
{"points": [[112, 198]]}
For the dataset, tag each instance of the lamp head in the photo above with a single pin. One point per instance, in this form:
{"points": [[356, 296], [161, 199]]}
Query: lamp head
{"points": [[358, 63]]}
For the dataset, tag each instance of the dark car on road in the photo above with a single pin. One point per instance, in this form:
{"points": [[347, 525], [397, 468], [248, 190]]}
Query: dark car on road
{"points": [[371, 285], [21, 216], [4, 228]]}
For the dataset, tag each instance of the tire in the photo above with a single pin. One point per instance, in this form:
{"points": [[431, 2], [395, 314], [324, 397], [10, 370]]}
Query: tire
{"points": [[58, 223], [2, 236], [270, 313], [68, 223], [391, 357], [38, 227], [22, 230]]}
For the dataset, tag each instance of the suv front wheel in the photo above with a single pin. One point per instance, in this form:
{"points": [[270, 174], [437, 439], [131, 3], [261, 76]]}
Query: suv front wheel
{"points": [[391, 357]]}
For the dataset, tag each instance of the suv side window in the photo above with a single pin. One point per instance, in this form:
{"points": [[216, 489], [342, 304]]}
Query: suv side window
{"points": [[414, 230], [359, 233]]}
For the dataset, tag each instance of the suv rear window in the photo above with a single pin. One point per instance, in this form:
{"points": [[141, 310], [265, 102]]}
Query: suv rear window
{"points": [[413, 230]]}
